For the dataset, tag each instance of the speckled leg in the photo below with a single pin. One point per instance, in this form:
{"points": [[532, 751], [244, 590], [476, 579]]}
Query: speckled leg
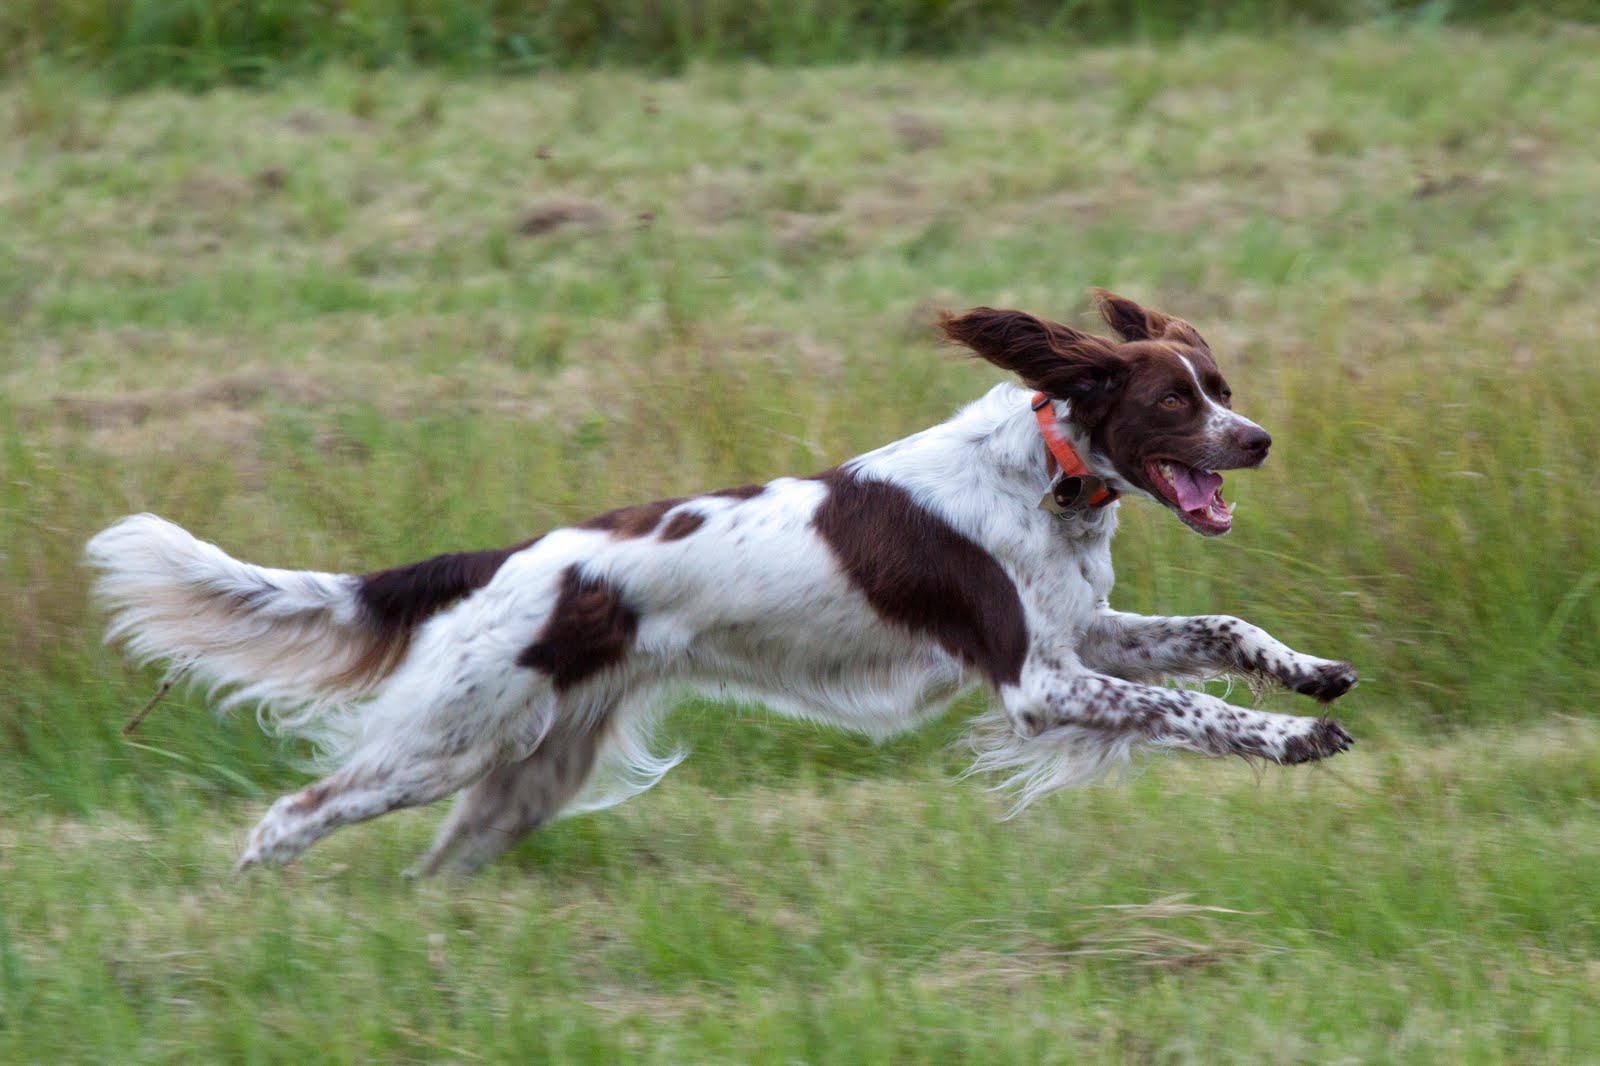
{"points": [[1048, 699], [1140, 648]]}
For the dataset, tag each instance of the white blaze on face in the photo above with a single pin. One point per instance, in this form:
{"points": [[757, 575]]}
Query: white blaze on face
{"points": [[1222, 425]]}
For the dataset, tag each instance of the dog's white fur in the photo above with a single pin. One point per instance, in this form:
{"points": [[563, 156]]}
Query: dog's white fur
{"points": [[754, 605]]}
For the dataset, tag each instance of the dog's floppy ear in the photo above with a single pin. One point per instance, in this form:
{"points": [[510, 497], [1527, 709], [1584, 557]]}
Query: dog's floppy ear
{"points": [[1131, 321], [1057, 360], [1135, 323]]}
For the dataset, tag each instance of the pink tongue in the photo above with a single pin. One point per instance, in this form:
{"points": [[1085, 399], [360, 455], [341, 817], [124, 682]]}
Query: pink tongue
{"points": [[1195, 488]]}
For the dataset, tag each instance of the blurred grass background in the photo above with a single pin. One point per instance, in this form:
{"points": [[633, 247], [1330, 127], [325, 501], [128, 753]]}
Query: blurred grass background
{"points": [[354, 317], [202, 43]]}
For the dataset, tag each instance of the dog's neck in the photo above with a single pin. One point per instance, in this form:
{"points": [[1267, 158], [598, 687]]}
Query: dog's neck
{"points": [[986, 467]]}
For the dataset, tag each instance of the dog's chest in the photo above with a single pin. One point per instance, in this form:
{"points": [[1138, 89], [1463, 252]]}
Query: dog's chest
{"points": [[1095, 568], [1066, 581]]}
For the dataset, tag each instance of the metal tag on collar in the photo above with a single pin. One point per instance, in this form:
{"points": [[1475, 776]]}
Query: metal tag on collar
{"points": [[1071, 493]]}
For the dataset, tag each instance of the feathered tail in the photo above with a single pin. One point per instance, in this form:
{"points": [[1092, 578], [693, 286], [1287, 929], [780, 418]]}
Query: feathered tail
{"points": [[296, 642]]}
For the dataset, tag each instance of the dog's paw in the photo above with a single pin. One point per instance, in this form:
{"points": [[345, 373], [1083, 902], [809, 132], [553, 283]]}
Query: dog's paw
{"points": [[1327, 682], [278, 838], [1323, 739]]}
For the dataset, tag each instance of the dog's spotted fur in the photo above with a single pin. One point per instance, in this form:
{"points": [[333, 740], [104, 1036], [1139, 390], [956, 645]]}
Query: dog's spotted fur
{"points": [[526, 679]]}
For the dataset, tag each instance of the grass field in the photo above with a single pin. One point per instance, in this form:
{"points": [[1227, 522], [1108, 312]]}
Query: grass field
{"points": [[133, 44], [359, 318]]}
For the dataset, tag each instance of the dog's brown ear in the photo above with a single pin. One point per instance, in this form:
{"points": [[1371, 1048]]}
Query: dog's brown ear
{"points": [[1131, 321], [1135, 323], [1053, 358]]}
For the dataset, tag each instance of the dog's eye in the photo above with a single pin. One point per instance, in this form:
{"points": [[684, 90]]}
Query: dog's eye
{"points": [[1227, 396], [1172, 401]]}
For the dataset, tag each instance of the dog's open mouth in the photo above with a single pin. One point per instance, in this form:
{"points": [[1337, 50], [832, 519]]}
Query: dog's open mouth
{"points": [[1194, 494]]}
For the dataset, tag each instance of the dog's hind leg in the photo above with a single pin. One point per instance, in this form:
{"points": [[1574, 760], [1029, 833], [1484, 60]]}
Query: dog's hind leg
{"points": [[415, 747], [512, 801], [353, 794]]}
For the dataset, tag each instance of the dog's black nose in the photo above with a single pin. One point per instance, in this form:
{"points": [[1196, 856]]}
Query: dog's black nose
{"points": [[1256, 441]]}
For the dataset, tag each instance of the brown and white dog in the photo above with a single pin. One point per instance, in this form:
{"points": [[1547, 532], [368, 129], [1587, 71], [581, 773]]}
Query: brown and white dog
{"points": [[867, 597]]}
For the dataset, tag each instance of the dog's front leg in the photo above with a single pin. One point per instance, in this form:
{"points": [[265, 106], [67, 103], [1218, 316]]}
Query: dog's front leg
{"points": [[1089, 707], [1150, 648]]}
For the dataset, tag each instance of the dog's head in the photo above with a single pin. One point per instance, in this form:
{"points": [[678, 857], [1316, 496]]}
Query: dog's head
{"points": [[1155, 409]]}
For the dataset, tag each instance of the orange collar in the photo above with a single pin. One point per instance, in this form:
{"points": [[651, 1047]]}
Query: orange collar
{"points": [[1063, 456]]}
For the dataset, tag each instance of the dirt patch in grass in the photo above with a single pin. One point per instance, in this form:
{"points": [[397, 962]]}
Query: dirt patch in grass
{"points": [[234, 392], [916, 132], [556, 214]]}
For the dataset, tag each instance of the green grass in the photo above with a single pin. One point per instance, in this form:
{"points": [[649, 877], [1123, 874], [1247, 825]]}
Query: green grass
{"points": [[358, 318], [201, 43], [1421, 905]]}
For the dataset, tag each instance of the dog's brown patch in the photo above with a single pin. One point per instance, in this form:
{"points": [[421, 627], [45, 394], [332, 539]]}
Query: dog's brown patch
{"points": [[639, 520], [740, 492], [642, 519], [590, 629], [681, 525], [918, 572], [308, 800], [399, 599]]}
